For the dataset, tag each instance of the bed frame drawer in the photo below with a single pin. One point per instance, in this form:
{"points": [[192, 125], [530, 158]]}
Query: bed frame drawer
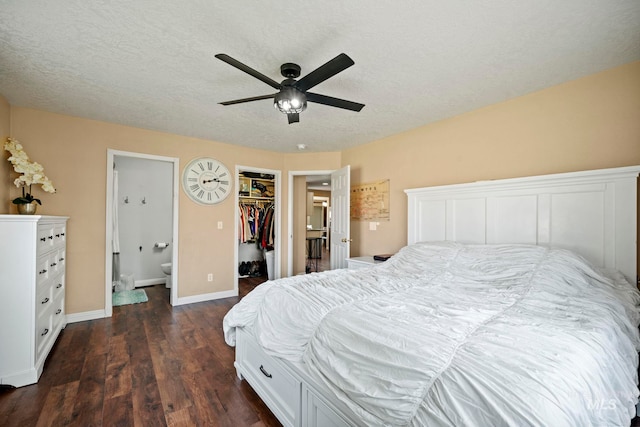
{"points": [[280, 390], [318, 414]]}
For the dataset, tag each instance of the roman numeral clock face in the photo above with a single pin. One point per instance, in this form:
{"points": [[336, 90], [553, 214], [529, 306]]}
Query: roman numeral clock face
{"points": [[206, 181]]}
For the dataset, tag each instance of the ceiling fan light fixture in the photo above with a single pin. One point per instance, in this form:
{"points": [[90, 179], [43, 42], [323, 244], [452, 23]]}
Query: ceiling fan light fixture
{"points": [[292, 95], [290, 100]]}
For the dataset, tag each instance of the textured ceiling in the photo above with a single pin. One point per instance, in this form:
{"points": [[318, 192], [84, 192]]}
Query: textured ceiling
{"points": [[150, 64]]}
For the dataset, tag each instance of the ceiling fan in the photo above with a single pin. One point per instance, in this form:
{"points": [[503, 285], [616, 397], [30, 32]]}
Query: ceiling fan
{"points": [[293, 96]]}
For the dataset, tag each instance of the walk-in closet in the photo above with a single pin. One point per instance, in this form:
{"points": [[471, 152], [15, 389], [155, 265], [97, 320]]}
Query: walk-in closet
{"points": [[256, 225]]}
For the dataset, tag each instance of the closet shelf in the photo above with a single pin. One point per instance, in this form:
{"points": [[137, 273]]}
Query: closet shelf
{"points": [[255, 198]]}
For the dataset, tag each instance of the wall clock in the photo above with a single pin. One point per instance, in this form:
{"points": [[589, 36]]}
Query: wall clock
{"points": [[206, 181]]}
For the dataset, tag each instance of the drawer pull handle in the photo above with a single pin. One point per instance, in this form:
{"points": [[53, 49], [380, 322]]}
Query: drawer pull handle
{"points": [[46, 331], [61, 259], [43, 239], [266, 374], [62, 234], [54, 264], [44, 301], [57, 235], [42, 271], [50, 237], [59, 285], [59, 311]]}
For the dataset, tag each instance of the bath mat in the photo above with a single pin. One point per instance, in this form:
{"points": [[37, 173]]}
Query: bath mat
{"points": [[129, 297]]}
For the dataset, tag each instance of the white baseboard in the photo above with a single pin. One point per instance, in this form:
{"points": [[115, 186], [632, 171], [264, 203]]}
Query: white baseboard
{"points": [[150, 282], [85, 315], [100, 314], [205, 297]]}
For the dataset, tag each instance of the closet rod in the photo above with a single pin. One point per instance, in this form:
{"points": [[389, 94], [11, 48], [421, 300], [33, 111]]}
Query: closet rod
{"points": [[255, 202]]}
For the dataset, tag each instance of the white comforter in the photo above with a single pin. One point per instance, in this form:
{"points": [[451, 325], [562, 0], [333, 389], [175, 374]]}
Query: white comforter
{"points": [[453, 335]]}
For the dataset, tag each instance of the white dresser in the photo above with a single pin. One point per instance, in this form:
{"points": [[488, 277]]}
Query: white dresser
{"points": [[32, 290]]}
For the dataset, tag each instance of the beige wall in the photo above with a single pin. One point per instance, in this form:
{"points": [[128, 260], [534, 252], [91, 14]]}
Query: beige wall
{"points": [[74, 151], [5, 167], [586, 124], [312, 161], [590, 123], [299, 223]]}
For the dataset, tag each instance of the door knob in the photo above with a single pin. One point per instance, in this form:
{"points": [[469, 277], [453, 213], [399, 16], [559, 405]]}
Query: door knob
{"points": [[345, 240]]}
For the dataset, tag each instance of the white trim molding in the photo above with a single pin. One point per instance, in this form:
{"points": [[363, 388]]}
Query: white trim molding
{"points": [[206, 297], [111, 154], [86, 315]]}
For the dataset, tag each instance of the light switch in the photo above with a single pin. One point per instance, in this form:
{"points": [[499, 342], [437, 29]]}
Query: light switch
{"points": [[373, 226], [219, 225]]}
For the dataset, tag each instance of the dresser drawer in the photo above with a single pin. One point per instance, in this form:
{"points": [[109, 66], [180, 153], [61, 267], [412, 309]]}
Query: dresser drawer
{"points": [[56, 262], [43, 272], [45, 238], [50, 315], [44, 328], [59, 235], [58, 315], [61, 258], [277, 388], [44, 298], [58, 286]]}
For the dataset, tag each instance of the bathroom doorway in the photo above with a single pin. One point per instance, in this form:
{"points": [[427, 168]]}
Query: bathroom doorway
{"points": [[142, 218]]}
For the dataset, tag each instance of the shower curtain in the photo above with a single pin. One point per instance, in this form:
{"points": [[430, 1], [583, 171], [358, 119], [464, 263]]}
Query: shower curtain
{"points": [[115, 239]]}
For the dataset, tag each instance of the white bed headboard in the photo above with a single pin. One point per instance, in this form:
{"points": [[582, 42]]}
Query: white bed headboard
{"points": [[593, 213]]}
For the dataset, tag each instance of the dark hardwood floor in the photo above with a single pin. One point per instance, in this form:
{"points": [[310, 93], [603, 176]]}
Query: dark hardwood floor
{"points": [[148, 365], [321, 264]]}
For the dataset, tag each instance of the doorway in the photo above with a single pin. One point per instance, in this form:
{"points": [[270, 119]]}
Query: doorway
{"points": [[318, 224], [309, 191], [257, 225], [132, 202]]}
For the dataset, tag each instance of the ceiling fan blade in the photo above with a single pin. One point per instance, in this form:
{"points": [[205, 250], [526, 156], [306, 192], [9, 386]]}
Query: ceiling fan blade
{"points": [[334, 102], [240, 66], [240, 101], [293, 117], [322, 73]]}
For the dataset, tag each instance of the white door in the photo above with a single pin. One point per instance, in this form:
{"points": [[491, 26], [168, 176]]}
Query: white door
{"points": [[340, 216]]}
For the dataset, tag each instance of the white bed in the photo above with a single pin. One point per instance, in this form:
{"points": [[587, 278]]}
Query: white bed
{"points": [[483, 319]]}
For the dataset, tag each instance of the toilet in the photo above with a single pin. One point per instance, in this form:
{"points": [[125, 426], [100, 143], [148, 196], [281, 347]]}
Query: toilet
{"points": [[166, 269]]}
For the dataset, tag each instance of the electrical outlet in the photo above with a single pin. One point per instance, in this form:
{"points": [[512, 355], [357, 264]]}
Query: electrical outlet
{"points": [[219, 225], [210, 277]]}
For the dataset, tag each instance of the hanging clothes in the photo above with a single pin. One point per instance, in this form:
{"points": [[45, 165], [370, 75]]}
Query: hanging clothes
{"points": [[256, 224], [267, 229]]}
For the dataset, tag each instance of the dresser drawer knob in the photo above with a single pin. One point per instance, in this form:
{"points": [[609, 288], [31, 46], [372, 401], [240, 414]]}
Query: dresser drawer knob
{"points": [[50, 237], [57, 235], [59, 311], [53, 265], [266, 374], [59, 285], [62, 234], [44, 301], [42, 271], [61, 259], [43, 239], [46, 331]]}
